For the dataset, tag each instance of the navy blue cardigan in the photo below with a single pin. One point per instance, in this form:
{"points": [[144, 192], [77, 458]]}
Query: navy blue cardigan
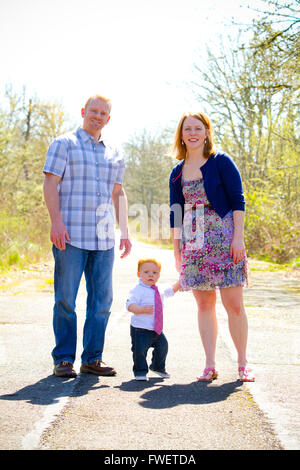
{"points": [[222, 184]]}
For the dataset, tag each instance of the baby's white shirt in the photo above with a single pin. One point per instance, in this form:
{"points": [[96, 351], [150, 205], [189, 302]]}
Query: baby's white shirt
{"points": [[144, 295]]}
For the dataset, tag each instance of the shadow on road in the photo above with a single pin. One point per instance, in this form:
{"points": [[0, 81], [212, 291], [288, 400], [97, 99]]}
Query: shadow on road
{"points": [[49, 390], [168, 396]]}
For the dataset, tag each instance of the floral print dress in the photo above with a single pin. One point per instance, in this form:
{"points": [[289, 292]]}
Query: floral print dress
{"points": [[206, 240]]}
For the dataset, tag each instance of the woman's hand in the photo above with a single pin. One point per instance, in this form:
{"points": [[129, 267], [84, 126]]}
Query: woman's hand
{"points": [[176, 235], [237, 247], [237, 250], [177, 256]]}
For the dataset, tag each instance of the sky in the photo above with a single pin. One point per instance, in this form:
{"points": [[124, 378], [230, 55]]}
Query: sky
{"points": [[139, 53]]}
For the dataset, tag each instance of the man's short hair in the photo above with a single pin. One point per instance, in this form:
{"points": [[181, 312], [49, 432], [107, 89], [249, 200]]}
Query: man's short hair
{"points": [[98, 97]]}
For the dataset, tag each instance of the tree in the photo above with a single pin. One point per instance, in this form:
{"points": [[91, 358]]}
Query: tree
{"points": [[27, 126], [254, 111], [148, 166]]}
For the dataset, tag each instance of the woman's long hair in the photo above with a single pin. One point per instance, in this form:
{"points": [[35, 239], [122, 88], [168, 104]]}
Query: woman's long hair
{"points": [[179, 147]]}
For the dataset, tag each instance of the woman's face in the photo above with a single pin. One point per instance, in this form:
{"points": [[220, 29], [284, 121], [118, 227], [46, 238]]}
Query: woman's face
{"points": [[193, 133]]}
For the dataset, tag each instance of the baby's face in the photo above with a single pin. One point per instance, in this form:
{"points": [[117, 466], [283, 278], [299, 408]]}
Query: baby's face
{"points": [[149, 273]]}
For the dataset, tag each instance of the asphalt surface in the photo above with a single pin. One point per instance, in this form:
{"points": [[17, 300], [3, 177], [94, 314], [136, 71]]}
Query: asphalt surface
{"points": [[41, 411]]}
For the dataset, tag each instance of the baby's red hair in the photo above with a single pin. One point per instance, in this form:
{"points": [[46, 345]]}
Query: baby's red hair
{"points": [[149, 260]]}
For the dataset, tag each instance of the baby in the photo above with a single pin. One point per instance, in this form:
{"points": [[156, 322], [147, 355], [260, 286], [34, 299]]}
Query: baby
{"points": [[145, 302]]}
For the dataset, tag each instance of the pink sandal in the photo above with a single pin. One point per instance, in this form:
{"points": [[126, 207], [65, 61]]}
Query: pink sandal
{"points": [[246, 374], [209, 374]]}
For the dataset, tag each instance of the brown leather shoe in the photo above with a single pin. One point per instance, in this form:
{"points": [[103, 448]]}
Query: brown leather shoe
{"points": [[97, 368], [64, 369]]}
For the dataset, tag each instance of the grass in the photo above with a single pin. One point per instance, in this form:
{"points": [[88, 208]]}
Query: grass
{"points": [[266, 258], [46, 285], [19, 257], [270, 266]]}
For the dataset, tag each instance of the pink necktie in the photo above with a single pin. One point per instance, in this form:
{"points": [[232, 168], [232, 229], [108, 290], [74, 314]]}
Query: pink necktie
{"points": [[158, 319]]}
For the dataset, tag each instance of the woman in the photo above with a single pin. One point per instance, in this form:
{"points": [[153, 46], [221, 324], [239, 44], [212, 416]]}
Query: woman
{"points": [[209, 246]]}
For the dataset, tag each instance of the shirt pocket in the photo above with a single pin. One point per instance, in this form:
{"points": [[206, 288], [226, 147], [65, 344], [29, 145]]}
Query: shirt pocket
{"points": [[77, 164]]}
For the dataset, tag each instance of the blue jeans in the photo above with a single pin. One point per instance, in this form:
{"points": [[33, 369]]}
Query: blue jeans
{"points": [[141, 341], [69, 267]]}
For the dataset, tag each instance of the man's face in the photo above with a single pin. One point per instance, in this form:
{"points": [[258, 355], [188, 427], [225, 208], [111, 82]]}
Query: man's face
{"points": [[95, 116]]}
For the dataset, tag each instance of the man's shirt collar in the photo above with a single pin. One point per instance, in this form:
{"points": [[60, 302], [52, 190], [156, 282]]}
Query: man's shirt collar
{"points": [[85, 136]]}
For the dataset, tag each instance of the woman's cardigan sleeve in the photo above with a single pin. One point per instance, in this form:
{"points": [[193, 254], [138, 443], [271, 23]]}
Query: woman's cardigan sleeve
{"points": [[176, 197], [232, 182]]}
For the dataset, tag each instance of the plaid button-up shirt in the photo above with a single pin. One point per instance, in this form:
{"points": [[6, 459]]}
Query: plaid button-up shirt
{"points": [[89, 171]]}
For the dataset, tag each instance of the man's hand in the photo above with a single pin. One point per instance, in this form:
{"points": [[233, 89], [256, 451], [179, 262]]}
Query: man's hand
{"points": [[125, 244], [119, 200], [59, 235]]}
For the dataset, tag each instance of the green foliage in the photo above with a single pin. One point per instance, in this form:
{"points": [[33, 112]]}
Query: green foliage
{"points": [[26, 128], [268, 230], [252, 91], [148, 166]]}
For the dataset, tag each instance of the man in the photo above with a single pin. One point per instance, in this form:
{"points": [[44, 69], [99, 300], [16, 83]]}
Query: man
{"points": [[83, 183]]}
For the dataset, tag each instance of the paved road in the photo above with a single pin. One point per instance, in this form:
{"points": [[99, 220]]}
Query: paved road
{"points": [[40, 411]]}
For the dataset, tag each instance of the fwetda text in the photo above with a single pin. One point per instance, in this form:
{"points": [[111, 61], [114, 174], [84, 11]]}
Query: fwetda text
{"points": [[156, 459]]}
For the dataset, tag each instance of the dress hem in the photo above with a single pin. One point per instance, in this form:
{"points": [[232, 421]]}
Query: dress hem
{"points": [[186, 289]]}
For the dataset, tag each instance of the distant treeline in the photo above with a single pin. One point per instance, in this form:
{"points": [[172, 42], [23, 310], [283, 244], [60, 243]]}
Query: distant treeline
{"points": [[249, 89]]}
